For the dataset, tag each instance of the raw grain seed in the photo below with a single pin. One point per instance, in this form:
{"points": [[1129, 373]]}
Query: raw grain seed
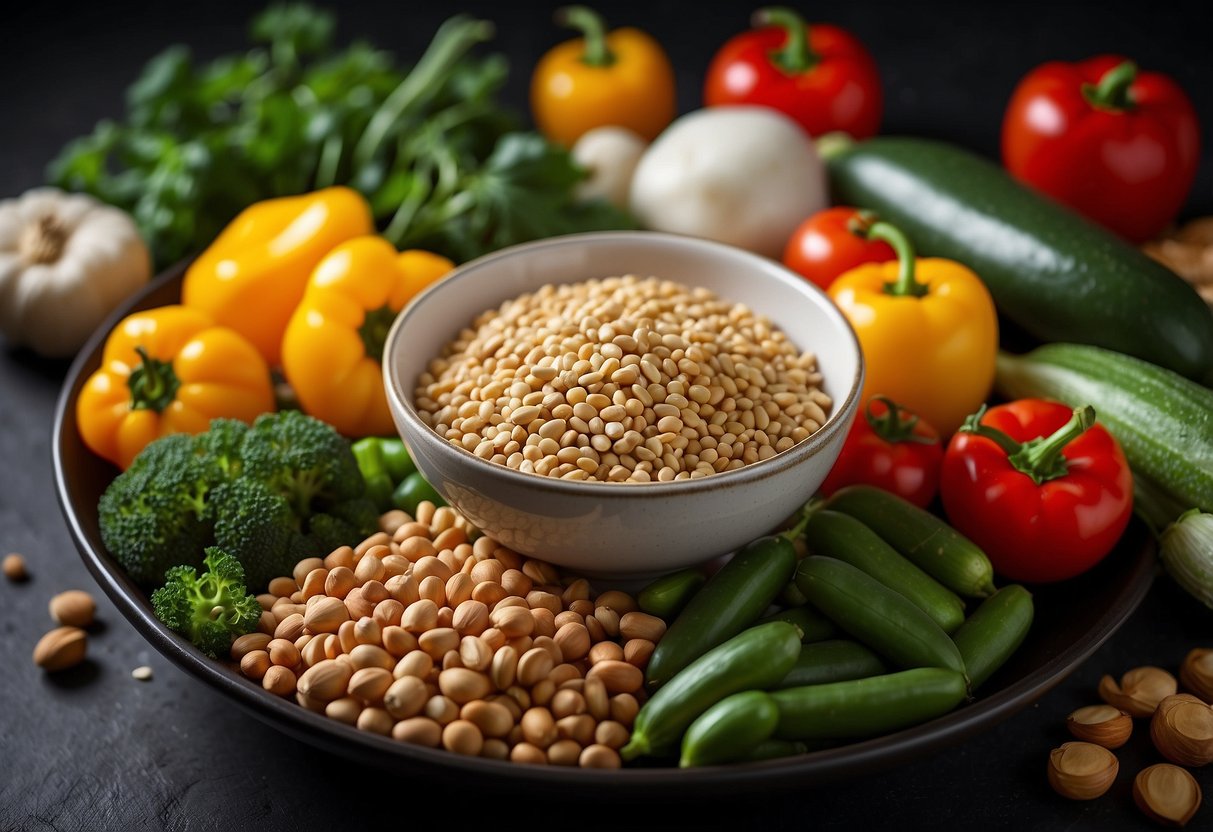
{"points": [[254, 664], [375, 721], [14, 568], [637, 652], [326, 680], [438, 641], [417, 663], [420, 616], [279, 681], [620, 602], [282, 587], [346, 710], [419, 731], [605, 651], [441, 709], [357, 604], [538, 727], [342, 556], [463, 685], [371, 655], [475, 654], [73, 608], [247, 643], [524, 752], [283, 653], [369, 684], [513, 621], [462, 737], [641, 625], [346, 637], [599, 756], [564, 753], [290, 628], [576, 727], [405, 697], [612, 734], [492, 718], [534, 666], [624, 708], [504, 667], [388, 612], [495, 749]]}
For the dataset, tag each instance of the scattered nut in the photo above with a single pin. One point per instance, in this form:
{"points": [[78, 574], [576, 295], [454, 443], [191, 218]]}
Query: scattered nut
{"points": [[1182, 730], [143, 673], [61, 648], [1082, 770], [1196, 673], [1140, 690], [73, 608], [14, 567], [1167, 794], [1101, 724]]}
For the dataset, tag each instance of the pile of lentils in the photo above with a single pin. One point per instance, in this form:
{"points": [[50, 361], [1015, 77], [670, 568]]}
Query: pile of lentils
{"points": [[622, 379], [418, 634]]}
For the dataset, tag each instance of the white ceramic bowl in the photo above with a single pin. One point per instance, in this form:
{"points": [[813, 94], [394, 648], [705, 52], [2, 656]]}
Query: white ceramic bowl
{"points": [[617, 530]]}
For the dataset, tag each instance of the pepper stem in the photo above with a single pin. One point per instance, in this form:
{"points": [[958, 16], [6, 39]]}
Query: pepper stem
{"points": [[592, 28], [1041, 459], [153, 384], [374, 330], [906, 284], [1112, 91], [794, 56], [892, 426]]}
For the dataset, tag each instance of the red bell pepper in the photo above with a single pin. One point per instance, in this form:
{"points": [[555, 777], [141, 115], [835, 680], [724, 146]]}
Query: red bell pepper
{"points": [[1118, 145], [827, 245], [1038, 485], [819, 75], [891, 448]]}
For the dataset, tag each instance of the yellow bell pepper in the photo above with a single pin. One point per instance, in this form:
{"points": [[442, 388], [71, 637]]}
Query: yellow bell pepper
{"points": [[168, 370], [332, 351], [929, 345], [253, 275], [623, 78]]}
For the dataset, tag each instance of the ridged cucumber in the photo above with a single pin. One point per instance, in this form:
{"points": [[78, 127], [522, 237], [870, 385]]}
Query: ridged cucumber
{"points": [[1057, 275]]}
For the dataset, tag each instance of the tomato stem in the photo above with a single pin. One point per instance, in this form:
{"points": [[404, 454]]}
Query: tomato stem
{"points": [[794, 56], [1112, 91], [153, 384], [906, 284], [894, 425], [1041, 458], [592, 28]]}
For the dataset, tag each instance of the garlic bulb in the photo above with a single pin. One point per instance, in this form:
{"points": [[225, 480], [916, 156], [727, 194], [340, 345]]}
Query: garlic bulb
{"points": [[66, 261]]}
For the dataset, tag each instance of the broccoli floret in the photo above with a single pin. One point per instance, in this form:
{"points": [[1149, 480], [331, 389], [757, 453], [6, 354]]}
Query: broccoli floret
{"points": [[344, 524], [155, 514], [220, 446], [258, 528], [303, 459], [209, 609]]}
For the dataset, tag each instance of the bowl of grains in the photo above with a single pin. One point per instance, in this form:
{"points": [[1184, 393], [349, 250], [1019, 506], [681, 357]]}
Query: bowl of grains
{"points": [[623, 403]]}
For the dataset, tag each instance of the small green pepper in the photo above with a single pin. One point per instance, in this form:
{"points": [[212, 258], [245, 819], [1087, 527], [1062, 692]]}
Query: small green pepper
{"points": [[397, 459], [413, 490], [371, 462]]}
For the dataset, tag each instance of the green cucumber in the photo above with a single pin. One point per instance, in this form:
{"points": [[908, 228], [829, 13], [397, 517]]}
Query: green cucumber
{"points": [[837, 660], [838, 535], [729, 730], [730, 601], [1054, 273], [774, 749], [994, 631], [1163, 422], [813, 625], [867, 707], [877, 616], [667, 595], [756, 659], [926, 541]]}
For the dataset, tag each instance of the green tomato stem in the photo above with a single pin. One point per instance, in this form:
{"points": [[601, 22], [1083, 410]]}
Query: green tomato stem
{"points": [[892, 427], [153, 384], [795, 56], [1113, 90], [592, 28], [907, 284], [1041, 459]]}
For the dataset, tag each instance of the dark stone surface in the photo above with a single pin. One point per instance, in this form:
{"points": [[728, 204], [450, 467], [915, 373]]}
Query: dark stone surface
{"points": [[94, 749]]}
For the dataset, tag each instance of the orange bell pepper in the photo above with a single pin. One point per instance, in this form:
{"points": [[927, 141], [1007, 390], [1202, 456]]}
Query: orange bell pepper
{"points": [[332, 351], [929, 345], [623, 78], [252, 276], [168, 370]]}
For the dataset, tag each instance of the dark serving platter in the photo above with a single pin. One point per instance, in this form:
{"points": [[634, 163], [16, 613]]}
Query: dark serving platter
{"points": [[1072, 621]]}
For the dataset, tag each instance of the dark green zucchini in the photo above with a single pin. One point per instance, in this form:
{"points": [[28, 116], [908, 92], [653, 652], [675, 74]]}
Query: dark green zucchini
{"points": [[1052, 272]]}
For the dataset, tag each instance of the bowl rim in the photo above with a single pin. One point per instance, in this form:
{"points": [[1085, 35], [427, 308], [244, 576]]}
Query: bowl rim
{"points": [[838, 418]]}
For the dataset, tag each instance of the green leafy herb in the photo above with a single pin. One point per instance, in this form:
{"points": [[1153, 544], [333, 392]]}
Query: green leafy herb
{"points": [[442, 162]]}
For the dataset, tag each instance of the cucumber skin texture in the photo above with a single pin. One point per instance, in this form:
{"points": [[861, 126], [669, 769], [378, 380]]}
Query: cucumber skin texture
{"points": [[667, 595], [730, 601], [755, 659], [838, 535], [867, 707], [876, 616], [926, 541], [729, 730], [1163, 422], [837, 660], [1057, 275], [994, 631], [813, 625]]}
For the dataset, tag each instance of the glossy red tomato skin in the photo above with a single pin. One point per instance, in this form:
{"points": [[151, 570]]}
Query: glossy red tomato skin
{"points": [[842, 91], [1129, 170], [1037, 533], [824, 247], [908, 468]]}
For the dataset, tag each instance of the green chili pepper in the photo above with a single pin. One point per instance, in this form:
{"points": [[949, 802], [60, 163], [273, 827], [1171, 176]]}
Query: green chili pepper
{"points": [[414, 490]]}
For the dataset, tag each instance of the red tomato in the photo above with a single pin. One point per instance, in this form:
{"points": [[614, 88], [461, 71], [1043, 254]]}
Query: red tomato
{"points": [[1039, 486], [1117, 145], [819, 75], [826, 245], [891, 448]]}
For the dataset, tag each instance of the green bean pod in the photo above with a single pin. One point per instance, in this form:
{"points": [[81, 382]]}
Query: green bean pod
{"points": [[841, 536], [813, 625], [879, 617], [666, 596], [994, 631], [867, 707], [730, 601], [773, 749], [930, 543], [755, 659], [729, 730], [837, 660]]}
